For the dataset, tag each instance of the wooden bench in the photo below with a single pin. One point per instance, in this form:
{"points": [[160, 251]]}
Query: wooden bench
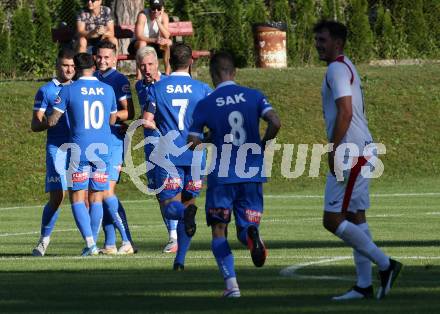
{"points": [[177, 30]]}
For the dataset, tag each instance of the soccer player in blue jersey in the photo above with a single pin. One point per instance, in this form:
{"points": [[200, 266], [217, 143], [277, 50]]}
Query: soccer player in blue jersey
{"points": [[146, 59], [114, 212], [91, 109], [171, 105], [232, 114], [55, 182]]}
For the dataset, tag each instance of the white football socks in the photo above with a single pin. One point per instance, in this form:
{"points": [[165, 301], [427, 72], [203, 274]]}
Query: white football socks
{"points": [[357, 239], [231, 283], [173, 234], [363, 264], [90, 242]]}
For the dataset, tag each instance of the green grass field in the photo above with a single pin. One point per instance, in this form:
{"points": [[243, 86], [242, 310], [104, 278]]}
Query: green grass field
{"points": [[403, 108], [405, 225]]}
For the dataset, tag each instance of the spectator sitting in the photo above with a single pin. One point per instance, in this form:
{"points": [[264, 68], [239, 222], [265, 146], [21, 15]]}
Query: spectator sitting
{"points": [[152, 30], [95, 24]]}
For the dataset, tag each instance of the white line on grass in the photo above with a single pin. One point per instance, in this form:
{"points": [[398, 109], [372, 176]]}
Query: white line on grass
{"points": [[281, 196], [291, 271], [317, 259]]}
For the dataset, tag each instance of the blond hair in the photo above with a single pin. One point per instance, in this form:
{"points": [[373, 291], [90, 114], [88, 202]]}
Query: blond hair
{"points": [[144, 51]]}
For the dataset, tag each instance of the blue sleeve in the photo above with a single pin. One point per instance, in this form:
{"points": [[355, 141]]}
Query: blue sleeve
{"points": [[114, 106], [150, 105], [123, 90], [61, 101], [40, 102], [198, 120], [263, 105]]}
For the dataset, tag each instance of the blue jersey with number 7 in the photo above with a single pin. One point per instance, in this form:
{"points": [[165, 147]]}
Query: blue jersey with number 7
{"points": [[172, 101], [232, 113], [89, 104]]}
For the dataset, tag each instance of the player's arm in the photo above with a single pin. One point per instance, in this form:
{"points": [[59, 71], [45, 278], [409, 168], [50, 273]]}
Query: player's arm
{"points": [[113, 118], [139, 30], [53, 119], [163, 27], [273, 126], [38, 122], [127, 110], [148, 118], [339, 81]]}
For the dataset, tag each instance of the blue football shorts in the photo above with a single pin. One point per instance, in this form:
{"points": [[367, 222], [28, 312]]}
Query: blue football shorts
{"points": [[87, 175], [245, 200], [180, 182], [56, 161]]}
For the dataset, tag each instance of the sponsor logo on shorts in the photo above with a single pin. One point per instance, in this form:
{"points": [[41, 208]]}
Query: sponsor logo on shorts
{"points": [[79, 177], [253, 216], [100, 177], [223, 213], [172, 183], [332, 203], [194, 185]]}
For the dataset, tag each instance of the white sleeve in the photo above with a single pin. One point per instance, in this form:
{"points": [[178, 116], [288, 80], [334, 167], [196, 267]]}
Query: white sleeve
{"points": [[339, 80]]}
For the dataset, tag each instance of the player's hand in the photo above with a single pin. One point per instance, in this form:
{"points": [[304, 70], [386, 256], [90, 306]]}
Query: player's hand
{"points": [[150, 125]]}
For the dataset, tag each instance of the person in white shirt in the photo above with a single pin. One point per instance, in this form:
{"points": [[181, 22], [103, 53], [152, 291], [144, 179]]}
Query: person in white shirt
{"points": [[152, 30], [346, 193]]}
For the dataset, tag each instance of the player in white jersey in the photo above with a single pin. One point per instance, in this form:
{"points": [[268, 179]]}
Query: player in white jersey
{"points": [[346, 192]]}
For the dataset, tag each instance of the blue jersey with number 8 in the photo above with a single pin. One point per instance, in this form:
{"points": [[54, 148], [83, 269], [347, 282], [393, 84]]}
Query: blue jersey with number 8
{"points": [[232, 113]]}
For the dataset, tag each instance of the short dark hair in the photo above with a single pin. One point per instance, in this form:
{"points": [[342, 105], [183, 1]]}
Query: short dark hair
{"points": [[65, 53], [222, 62], [83, 61], [105, 44], [336, 30], [180, 56]]}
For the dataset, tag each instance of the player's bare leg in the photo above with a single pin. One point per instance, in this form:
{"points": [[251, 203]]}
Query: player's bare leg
{"points": [[48, 220], [225, 260]]}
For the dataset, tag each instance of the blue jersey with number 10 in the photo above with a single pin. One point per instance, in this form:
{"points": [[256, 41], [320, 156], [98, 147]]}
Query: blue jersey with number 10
{"points": [[232, 113], [89, 104], [172, 101]]}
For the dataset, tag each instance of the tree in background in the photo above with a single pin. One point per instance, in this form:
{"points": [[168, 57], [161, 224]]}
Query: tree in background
{"points": [[360, 36], [235, 38], [68, 11], [416, 27], [385, 36], [331, 10], [432, 14], [5, 46], [304, 14], [23, 39], [46, 49]]}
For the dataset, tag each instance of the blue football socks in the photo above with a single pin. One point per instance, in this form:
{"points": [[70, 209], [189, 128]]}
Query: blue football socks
{"points": [[109, 228], [96, 212], [113, 205], [48, 220], [223, 255], [121, 212], [82, 219], [174, 210], [183, 243]]}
